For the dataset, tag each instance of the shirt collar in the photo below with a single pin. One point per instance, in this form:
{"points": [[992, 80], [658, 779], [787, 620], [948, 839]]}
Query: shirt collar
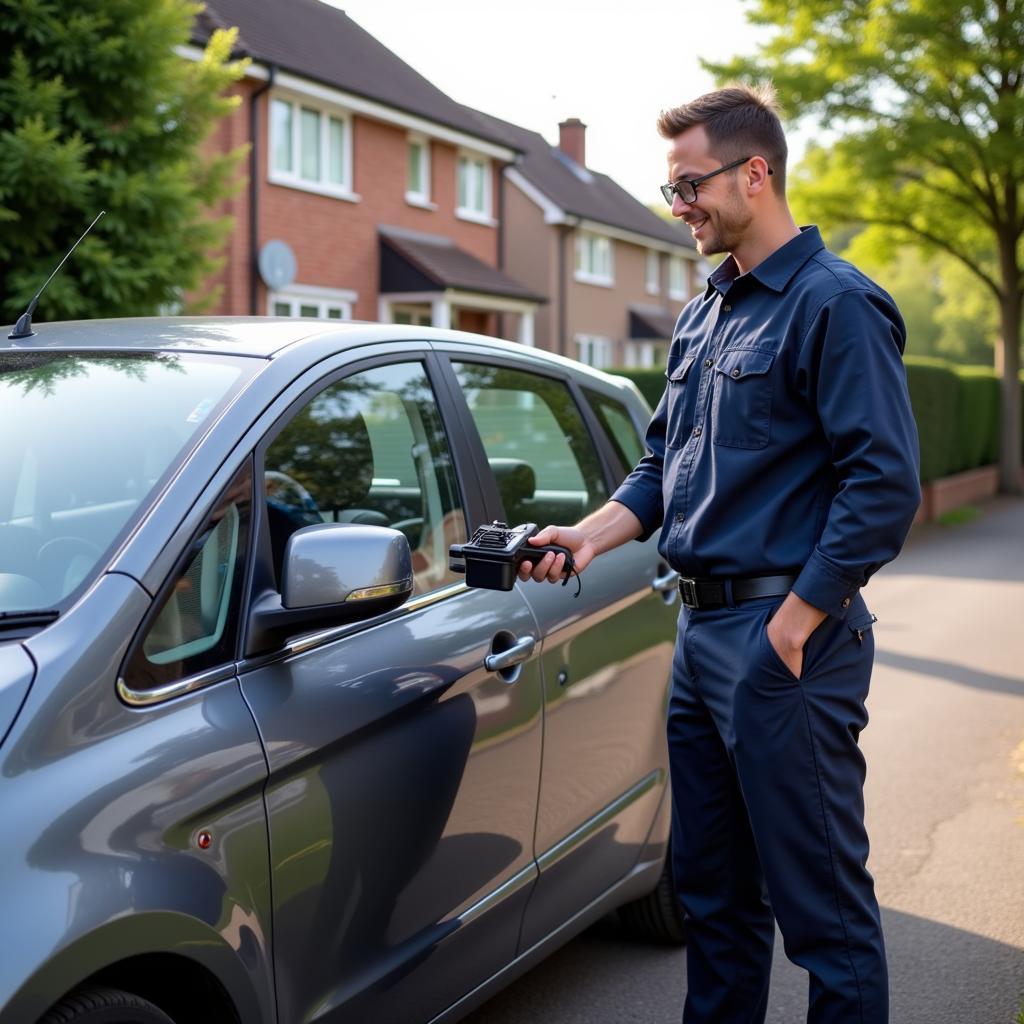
{"points": [[777, 270]]}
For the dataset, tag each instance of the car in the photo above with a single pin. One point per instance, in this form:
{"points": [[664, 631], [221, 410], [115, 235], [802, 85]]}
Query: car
{"points": [[264, 756]]}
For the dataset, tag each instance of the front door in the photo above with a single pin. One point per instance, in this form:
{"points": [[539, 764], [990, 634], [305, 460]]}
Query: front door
{"points": [[403, 772]]}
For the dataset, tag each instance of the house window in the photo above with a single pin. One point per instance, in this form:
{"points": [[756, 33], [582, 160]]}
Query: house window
{"points": [[640, 354], [311, 148], [417, 182], [677, 278], [653, 277], [594, 259], [321, 303], [594, 350], [474, 188]]}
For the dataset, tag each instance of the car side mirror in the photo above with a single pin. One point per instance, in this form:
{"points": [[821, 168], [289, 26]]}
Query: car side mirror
{"points": [[333, 573]]}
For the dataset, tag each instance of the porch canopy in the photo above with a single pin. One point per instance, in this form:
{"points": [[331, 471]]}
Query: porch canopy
{"points": [[418, 269]]}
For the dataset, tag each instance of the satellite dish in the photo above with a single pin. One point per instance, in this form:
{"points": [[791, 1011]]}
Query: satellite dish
{"points": [[277, 265]]}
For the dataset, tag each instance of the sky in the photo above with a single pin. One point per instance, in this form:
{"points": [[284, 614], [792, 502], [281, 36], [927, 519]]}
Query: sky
{"points": [[615, 64]]}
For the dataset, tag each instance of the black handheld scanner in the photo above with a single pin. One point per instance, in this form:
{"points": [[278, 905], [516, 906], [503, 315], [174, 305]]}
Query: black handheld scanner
{"points": [[492, 556]]}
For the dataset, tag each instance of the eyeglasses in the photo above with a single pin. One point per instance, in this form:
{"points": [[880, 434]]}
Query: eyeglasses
{"points": [[686, 189]]}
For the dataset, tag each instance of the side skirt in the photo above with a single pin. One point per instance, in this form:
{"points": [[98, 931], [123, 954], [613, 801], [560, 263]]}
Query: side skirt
{"points": [[640, 881]]}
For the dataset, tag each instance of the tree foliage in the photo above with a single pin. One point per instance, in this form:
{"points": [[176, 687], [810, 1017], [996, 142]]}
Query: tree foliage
{"points": [[925, 99], [98, 112]]}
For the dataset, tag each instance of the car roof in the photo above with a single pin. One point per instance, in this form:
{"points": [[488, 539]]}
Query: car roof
{"points": [[254, 336]]}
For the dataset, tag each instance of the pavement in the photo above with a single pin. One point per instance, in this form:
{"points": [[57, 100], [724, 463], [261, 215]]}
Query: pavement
{"points": [[945, 808]]}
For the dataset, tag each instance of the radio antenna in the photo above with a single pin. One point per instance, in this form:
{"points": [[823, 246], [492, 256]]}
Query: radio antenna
{"points": [[23, 328]]}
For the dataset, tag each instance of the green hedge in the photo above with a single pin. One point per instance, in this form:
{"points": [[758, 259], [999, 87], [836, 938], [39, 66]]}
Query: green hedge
{"points": [[956, 408]]}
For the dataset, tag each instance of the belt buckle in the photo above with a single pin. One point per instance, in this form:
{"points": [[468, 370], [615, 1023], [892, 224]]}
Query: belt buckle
{"points": [[688, 591]]}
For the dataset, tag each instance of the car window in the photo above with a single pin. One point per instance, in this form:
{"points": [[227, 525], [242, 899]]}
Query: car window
{"points": [[370, 449], [619, 428], [197, 624], [537, 444], [87, 438]]}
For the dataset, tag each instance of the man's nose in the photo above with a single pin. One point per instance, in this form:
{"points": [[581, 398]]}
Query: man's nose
{"points": [[679, 207]]}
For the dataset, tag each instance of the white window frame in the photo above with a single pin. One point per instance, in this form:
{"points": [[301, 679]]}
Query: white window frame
{"points": [[294, 178], [652, 276], [484, 216], [594, 350], [325, 300], [595, 260], [421, 198], [640, 355], [677, 274]]}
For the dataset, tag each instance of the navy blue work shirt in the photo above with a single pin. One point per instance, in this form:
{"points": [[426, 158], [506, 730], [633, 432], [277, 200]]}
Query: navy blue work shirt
{"points": [[785, 440]]}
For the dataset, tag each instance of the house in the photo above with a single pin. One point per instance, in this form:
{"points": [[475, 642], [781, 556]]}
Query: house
{"points": [[372, 195], [616, 274], [384, 191]]}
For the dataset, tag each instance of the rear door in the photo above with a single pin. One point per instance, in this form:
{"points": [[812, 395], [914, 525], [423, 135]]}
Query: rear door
{"points": [[403, 772], [607, 654]]}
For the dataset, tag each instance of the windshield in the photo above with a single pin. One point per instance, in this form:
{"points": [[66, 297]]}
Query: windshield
{"points": [[86, 440]]}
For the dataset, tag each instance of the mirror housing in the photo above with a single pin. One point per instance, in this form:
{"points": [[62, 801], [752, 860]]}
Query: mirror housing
{"points": [[333, 573]]}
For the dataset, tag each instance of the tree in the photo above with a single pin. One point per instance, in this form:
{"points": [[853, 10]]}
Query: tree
{"points": [[925, 99], [97, 112]]}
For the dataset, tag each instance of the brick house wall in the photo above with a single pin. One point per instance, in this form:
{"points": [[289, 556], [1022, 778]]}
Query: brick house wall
{"points": [[335, 241]]}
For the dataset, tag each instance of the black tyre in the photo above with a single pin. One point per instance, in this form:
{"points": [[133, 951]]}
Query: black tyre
{"points": [[104, 1006], [656, 917]]}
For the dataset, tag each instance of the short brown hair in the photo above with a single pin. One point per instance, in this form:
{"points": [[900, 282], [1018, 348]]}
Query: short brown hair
{"points": [[740, 120]]}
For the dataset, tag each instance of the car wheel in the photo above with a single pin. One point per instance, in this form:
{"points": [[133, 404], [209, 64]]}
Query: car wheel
{"points": [[656, 917], [104, 1006]]}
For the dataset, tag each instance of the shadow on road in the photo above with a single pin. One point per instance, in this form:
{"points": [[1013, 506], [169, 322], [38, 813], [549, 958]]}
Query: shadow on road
{"points": [[938, 975], [962, 674]]}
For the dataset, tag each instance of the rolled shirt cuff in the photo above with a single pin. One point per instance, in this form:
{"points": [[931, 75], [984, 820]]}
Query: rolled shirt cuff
{"points": [[821, 584], [650, 513]]}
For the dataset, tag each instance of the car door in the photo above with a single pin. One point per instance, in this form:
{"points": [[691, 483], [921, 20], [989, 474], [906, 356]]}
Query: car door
{"points": [[403, 770], [607, 654]]}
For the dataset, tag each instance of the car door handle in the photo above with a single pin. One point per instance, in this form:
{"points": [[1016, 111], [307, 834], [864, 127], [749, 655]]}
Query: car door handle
{"points": [[669, 581], [519, 651]]}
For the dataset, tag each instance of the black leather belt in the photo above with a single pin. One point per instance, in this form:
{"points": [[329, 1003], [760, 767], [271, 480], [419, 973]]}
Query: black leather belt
{"points": [[715, 593]]}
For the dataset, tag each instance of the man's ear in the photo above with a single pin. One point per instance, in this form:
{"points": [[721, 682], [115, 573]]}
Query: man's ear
{"points": [[757, 173]]}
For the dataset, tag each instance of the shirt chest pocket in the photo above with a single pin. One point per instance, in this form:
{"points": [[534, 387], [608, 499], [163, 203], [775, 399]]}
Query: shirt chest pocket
{"points": [[742, 407], [682, 399]]}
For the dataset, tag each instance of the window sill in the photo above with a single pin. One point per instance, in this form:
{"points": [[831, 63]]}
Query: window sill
{"points": [[653, 291], [420, 202], [678, 296], [331, 191], [601, 282], [476, 217]]}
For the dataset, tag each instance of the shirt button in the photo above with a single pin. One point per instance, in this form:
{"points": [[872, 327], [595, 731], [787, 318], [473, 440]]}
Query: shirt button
{"points": [[736, 372], [846, 602], [696, 431], [680, 517], [709, 362], [727, 309]]}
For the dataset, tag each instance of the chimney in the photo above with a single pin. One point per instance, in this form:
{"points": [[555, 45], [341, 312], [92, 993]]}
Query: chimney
{"points": [[572, 140]]}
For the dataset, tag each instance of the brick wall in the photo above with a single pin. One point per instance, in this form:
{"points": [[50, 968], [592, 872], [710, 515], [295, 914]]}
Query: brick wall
{"points": [[335, 241]]}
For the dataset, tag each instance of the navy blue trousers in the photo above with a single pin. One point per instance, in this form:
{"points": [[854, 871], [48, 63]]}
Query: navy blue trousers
{"points": [[768, 815]]}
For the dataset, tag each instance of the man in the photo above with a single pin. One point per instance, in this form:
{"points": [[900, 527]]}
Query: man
{"points": [[783, 470]]}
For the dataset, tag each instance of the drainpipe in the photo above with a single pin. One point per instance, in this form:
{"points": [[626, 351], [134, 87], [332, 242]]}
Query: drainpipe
{"points": [[254, 190]]}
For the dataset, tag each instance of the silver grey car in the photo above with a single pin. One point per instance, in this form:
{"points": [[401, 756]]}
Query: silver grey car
{"points": [[264, 757]]}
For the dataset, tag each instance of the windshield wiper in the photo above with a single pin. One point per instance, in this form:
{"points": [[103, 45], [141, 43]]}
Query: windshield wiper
{"points": [[35, 617]]}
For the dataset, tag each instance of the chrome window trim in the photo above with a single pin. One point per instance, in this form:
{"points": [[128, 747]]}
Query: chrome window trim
{"points": [[159, 694]]}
